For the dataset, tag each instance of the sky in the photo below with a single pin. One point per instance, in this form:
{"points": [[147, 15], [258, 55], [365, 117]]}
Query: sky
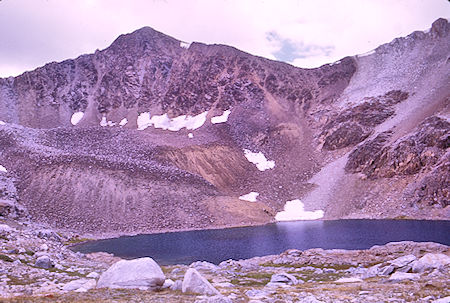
{"points": [[305, 33]]}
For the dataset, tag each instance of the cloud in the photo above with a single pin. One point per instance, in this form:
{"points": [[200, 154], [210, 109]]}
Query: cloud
{"points": [[313, 31], [290, 51]]}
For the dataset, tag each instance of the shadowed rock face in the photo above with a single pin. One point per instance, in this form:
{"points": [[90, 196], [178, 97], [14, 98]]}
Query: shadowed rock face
{"points": [[366, 136]]}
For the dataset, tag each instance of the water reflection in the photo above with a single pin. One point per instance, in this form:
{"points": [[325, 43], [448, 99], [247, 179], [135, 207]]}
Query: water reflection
{"points": [[246, 242]]}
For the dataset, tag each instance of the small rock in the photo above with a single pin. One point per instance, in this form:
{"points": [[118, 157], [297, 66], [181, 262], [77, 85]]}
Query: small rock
{"points": [[44, 262], [215, 299], [442, 300], [386, 270], [348, 280], [257, 294], [193, 282], [86, 284], [177, 285], [399, 276], [405, 268], [203, 265], [371, 271], [364, 292], [224, 284], [48, 234], [93, 275], [6, 228], [310, 299], [284, 278], [168, 283], [43, 247]]}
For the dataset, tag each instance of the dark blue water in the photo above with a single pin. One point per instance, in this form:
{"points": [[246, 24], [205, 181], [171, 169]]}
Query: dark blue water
{"points": [[245, 242]]}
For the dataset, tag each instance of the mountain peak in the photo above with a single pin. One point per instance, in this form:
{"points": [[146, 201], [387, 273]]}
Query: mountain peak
{"points": [[440, 27], [143, 38]]}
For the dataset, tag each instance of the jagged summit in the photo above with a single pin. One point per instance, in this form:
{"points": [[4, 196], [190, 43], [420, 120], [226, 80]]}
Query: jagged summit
{"points": [[146, 39], [154, 134]]}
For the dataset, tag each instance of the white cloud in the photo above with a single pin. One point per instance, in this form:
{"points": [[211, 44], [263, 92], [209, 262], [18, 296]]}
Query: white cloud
{"points": [[59, 29]]}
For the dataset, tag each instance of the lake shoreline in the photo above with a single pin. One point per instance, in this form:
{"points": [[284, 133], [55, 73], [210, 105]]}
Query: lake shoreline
{"points": [[216, 245], [111, 235]]}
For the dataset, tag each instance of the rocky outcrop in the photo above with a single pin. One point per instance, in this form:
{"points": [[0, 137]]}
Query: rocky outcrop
{"points": [[355, 124], [423, 149]]}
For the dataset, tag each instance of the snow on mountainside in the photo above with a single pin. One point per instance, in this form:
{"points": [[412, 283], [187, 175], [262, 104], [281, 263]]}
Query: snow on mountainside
{"points": [[154, 134]]}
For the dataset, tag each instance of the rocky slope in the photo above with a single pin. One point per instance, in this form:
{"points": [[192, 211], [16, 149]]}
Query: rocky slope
{"points": [[99, 143]]}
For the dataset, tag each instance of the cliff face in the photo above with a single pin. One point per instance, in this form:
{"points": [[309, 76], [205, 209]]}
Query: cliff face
{"points": [[364, 137]]}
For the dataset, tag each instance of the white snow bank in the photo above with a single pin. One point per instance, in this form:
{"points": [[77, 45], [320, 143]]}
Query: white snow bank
{"points": [[123, 122], [2, 123], [184, 45], [144, 120], [250, 197], [222, 118], [3, 169], [259, 160], [103, 122], [367, 54], [76, 117], [190, 135], [295, 210]]}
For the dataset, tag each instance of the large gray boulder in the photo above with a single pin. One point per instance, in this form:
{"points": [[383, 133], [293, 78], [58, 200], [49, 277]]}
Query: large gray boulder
{"points": [[430, 261], [141, 273], [193, 282], [44, 262]]}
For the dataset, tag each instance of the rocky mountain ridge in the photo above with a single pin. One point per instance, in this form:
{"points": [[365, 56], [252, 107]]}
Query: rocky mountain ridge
{"points": [[122, 140]]}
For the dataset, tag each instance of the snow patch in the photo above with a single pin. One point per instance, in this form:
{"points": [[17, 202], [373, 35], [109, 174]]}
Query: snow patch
{"points": [[190, 135], [164, 122], [2, 123], [259, 160], [222, 118], [295, 210], [3, 169], [143, 121], [123, 122], [184, 44], [366, 54], [76, 117], [103, 122], [250, 197]]}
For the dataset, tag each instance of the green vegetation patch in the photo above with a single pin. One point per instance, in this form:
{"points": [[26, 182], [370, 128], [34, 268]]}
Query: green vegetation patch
{"points": [[6, 258]]}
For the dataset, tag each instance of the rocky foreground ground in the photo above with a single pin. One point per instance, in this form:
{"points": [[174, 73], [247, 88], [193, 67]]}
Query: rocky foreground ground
{"points": [[36, 265]]}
